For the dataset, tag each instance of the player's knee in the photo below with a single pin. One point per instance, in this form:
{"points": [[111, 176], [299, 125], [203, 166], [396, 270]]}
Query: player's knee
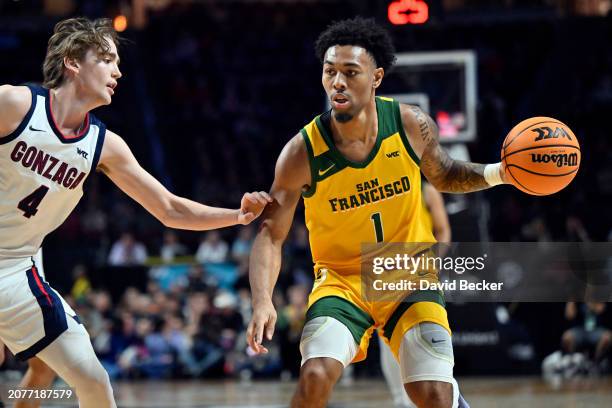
{"points": [[315, 372], [100, 379], [99, 384], [430, 394], [92, 378], [317, 376]]}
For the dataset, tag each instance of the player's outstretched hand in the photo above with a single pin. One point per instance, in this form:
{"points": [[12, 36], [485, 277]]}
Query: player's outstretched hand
{"points": [[252, 205], [263, 321]]}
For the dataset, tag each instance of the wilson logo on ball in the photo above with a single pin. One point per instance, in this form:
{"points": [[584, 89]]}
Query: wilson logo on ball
{"points": [[559, 159], [547, 133]]}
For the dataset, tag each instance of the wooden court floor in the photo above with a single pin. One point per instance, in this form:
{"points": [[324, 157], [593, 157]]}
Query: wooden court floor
{"points": [[480, 393]]}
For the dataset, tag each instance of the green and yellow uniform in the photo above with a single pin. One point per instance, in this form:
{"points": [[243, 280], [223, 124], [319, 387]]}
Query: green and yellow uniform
{"points": [[350, 203]]}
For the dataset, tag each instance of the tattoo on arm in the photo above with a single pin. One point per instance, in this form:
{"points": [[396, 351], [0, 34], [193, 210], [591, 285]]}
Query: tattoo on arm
{"points": [[444, 173], [452, 176], [424, 127]]}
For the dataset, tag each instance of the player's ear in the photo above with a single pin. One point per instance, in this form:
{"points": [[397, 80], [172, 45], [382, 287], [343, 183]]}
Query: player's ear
{"points": [[379, 73], [72, 65]]}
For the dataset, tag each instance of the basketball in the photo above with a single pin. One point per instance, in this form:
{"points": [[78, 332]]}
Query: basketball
{"points": [[541, 156]]}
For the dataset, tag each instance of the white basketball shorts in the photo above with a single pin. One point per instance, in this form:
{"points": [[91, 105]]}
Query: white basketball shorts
{"points": [[32, 314]]}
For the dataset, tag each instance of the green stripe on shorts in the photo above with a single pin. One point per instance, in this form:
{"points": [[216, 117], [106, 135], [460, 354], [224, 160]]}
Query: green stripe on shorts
{"points": [[355, 319], [415, 297]]}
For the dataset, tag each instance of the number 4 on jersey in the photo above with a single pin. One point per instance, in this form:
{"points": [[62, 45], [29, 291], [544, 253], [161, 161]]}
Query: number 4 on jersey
{"points": [[29, 205]]}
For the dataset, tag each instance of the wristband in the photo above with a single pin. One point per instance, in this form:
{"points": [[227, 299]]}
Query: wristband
{"points": [[492, 174]]}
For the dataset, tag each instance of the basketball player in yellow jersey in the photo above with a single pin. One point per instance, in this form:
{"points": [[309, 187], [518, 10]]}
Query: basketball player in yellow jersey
{"points": [[357, 168]]}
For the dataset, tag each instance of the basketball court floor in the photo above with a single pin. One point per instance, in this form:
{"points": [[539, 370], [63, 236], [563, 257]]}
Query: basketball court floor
{"points": [[481, 393]]}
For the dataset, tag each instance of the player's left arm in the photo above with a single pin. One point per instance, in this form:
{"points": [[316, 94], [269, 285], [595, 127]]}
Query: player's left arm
{"points": [[444, 173], [119, 164]]}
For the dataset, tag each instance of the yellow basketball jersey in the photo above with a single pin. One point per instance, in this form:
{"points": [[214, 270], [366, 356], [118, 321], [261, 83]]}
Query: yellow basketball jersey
{"points": [[377, 200]]}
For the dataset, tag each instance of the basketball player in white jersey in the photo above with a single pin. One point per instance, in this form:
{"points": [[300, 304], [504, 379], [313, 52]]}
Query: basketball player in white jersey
{"points": [[49, 144]]}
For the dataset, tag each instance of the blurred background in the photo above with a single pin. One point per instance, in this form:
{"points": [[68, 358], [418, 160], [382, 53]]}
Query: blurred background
{"points": [[212, 90]]}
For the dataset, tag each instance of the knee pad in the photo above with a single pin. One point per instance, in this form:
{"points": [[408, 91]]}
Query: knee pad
{"points": [[325, 336], [426, 353]]}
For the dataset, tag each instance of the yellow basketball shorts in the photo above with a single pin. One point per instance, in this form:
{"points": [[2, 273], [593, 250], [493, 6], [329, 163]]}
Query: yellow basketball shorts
{"points": [[339, 296]]}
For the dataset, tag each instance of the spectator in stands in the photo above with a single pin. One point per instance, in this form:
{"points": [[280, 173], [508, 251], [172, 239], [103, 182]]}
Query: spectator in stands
{"points": [[123, 336], [99, 322], [227, 318], [136, 354], [241, 247], [587, 333], [174, 332], [81, 286], [299, 257], [171, 247], [212, 248], [196, 279], [158, 360], [290, 324], [127, 252], [94, 221], [204, 353]]}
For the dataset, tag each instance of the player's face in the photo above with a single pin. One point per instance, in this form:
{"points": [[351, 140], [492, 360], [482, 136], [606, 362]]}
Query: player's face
{"points": [[98, 74], [350, 77]]}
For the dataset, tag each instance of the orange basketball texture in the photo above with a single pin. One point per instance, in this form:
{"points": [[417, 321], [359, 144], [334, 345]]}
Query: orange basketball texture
{"points": [[541, 155]]}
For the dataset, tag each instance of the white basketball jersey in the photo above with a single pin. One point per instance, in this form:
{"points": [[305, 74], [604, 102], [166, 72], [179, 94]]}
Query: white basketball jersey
{"points": [[41, 177]]}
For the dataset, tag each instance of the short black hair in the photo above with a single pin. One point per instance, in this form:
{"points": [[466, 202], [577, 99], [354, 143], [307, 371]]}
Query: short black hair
{"points": [[362, 32]]}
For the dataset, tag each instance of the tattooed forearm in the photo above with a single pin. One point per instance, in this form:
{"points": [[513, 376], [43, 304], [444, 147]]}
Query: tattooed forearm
{"points": [[457, 176], [424, 124], [452, 176]]}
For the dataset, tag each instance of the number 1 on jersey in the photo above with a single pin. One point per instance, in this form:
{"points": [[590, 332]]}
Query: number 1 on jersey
{"points": [[378, 227], [29, 204]]}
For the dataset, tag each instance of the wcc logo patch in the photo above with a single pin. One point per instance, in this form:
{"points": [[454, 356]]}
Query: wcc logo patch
{"points": [[393, 154], [548, 133], [82, 153]]}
